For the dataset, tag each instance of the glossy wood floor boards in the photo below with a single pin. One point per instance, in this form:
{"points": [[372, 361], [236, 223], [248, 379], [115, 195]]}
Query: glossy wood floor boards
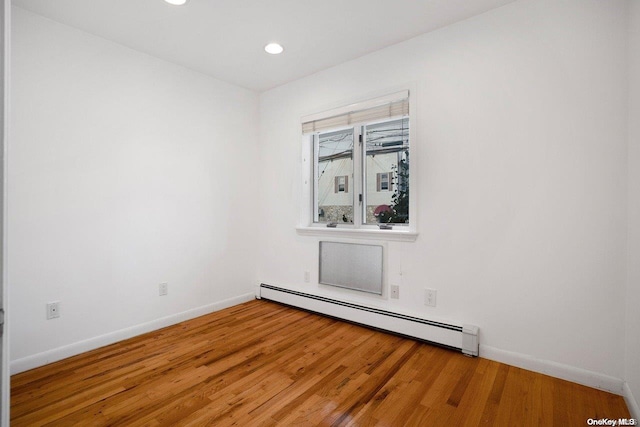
{"points": [[262, 364]]}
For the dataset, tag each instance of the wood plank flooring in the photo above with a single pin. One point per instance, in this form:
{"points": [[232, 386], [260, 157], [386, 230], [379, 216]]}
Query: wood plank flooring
{"points": [[261, 364]]}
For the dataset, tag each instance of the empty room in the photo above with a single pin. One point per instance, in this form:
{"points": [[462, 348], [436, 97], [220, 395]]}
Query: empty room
{"points": [[290, 212]]}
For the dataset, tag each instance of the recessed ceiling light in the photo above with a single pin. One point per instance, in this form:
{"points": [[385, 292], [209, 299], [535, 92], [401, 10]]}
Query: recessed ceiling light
{"points": [[177, 2], [273, 48]]}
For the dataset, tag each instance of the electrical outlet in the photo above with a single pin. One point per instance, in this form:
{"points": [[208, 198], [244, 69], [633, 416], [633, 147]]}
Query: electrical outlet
{"points": [[430, 297], [395, 291], [307, 276], [163, 289], [53, 310]]}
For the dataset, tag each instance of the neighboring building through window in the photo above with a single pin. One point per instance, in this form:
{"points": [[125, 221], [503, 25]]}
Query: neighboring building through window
{"points": [[334, 166], [387, 172], [361, 165]]}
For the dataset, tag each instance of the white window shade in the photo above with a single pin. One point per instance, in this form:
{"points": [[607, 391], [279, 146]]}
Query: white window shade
{"points": [[390, 106]]}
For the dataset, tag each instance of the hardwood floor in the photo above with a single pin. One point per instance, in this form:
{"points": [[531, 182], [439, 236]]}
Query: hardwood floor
{"points": [[262, 363]]}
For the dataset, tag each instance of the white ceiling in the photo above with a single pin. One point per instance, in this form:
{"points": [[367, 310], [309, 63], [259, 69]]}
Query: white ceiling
{"points": [[225, 38]]}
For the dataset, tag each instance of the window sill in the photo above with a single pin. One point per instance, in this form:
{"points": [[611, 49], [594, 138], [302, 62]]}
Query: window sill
{"points": [[359, 233]]}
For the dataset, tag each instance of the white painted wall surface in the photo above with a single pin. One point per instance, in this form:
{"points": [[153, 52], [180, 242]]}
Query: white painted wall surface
{"points": [[126, 171], [521, 156], [632, 353], [5, 78]]}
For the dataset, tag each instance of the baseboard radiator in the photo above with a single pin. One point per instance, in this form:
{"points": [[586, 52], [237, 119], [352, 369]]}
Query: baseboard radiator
{"points": [[458, 337]]}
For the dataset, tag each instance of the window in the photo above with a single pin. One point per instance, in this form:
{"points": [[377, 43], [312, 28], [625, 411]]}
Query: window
{"points": [[387, 172], [360, 164], [333, 167], [383, 182], [342, 184]]}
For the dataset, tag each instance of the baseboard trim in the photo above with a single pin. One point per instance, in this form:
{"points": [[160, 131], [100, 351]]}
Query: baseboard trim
{"points": [[554, 369], [50, 356], [631, 401]]}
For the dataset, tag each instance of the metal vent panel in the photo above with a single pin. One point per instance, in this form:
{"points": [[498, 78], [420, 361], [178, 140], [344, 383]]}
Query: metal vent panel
{"points": [[352, 266]]}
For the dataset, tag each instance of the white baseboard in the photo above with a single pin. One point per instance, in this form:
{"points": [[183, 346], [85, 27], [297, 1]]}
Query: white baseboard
{"points": [[631, 401], [554, 369], [450, 335], [50, 356]]}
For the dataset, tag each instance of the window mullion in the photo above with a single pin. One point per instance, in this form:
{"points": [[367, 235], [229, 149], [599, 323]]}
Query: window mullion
{"points": [[363, 174], [314, 173], [358, 190]]}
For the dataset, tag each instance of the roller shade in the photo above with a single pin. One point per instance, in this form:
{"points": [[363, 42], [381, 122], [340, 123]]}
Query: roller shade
{"points": [[382, 108]]}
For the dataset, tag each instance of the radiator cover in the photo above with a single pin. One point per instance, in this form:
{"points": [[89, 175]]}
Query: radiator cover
{"points": [[458, 337], [353, 266]]}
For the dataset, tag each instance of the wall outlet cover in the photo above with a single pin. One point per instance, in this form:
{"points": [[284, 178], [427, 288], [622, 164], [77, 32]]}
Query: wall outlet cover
{"points": [[53, 310], [163, 289], [430, 297], [395, 291]]}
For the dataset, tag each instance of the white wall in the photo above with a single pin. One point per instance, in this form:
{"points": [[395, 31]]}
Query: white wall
{"points": [[5, 44], [521, 156], [125, 172], [632, 365]]}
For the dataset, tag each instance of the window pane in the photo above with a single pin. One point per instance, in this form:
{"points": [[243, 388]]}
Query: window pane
{"points": [[387, 172], [384, 182], [334, 177]]}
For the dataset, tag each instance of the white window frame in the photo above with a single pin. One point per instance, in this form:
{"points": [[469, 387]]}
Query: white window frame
{"points": [[359, 230]]}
